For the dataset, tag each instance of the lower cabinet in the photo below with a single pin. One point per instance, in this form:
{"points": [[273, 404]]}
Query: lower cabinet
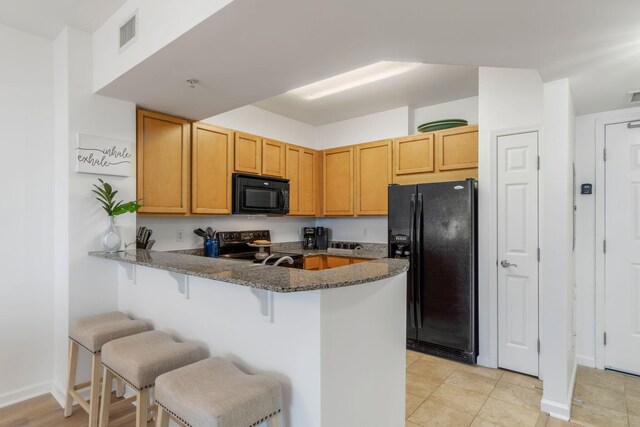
{"points": [[313, 263], [323, 262], [211, 168], [163, 163], [336, 261]]}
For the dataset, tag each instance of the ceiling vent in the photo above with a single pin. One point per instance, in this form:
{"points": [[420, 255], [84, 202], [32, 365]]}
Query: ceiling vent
{"points": [[129, 31], [634, 97]]}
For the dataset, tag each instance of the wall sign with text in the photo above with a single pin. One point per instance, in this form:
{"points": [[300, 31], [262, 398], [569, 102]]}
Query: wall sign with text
{"points": [[104, 156]]}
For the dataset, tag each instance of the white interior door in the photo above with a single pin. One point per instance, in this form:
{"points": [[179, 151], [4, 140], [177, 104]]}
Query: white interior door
{"points": [[518, 252], [622, 255]]}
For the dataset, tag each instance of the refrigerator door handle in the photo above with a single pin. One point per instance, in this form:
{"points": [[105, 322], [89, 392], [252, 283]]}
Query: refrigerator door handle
{"points": [[412, 264], [418, 264]]}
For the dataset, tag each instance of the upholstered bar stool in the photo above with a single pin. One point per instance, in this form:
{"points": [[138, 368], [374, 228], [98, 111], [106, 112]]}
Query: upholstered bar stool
{"points": [[139, 360], [215, 393], [92, 333]]}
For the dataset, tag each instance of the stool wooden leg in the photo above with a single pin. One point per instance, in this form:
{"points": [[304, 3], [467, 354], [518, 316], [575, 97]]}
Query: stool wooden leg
{"points": [[71, 376], [119, 387], [107, 383], [163, 417], [94, 400], [142, 408], [274, 421]]}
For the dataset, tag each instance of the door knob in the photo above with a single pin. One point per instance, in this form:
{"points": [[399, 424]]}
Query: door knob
{"points": [[505, 263]]}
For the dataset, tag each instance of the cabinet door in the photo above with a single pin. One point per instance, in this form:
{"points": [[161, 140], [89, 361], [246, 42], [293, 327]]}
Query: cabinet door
{"points": [[373, 176], [338, 181], [413, 158], [308, 182], [273, 158], [247, 153], [163, 145], [313, 263], [457, 148], [336, 261], [293, 168], [211, 167]]}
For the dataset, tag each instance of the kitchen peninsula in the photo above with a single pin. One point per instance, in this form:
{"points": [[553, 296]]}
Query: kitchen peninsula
{"points": [[333, 338]]}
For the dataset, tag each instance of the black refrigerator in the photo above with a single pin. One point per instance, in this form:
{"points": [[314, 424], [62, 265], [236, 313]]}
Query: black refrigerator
{"points": [[434, 226]]}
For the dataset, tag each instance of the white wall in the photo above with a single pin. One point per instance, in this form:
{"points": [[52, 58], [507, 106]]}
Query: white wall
{"points": [[466, 109], [261, 122], [159, 23], [372, 127], [586, 245], [165, 229], [83, 285], [508, 99], [557, 267], [26, 288]]}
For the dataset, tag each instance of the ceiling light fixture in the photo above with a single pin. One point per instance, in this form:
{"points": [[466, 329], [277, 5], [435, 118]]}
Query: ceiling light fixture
{"points": [[354, 78]]}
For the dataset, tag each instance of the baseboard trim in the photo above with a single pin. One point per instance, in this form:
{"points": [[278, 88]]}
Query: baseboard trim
{"points": [[24, 393], [59, 392], [484, 361], [587, 361], [556, 409]]}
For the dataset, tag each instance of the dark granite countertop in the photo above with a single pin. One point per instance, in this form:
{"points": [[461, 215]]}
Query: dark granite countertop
{"points": [[276, 279]]}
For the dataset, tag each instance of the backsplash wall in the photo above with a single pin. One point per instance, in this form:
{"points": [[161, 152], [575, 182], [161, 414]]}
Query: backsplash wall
{"points": [[283, 229], [165, 229]]}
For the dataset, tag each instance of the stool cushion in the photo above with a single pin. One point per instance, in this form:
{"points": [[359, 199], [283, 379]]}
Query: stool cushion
{"points": [[139, 359], [215, 393], [93, 332]]}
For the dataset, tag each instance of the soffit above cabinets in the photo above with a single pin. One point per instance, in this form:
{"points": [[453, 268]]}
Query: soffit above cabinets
{"points": [[252, 50]]}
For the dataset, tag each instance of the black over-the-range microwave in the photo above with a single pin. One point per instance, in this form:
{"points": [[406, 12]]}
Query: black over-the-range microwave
{"points": [[260, 195]]}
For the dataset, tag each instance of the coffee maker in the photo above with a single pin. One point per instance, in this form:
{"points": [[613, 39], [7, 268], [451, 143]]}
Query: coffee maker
{"points": [[309, 239], [322, 238]]}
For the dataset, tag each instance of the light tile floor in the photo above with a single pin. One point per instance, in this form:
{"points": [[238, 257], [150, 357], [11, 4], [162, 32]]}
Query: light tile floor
{"points": [[441, 392]]}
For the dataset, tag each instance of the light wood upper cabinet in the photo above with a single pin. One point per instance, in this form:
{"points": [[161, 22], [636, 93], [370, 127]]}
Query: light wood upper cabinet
{"points": [[293, 169], [413, 158], [247, 153], [373, 175], [273, 158], [457, 148], [211, 168], [163, 163], [338, 181], [309, 182], [302, 173]]}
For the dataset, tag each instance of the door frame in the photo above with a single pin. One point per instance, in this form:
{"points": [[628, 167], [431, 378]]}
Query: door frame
{"points": [[600, 271], [492, 287]]}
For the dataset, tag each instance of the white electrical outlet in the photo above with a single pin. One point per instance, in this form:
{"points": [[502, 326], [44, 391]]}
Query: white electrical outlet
{"points": [[364, 231], [180, 236]]}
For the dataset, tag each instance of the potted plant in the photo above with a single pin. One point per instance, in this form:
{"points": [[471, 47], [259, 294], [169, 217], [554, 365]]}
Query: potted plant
{"points": [[105, 195]]}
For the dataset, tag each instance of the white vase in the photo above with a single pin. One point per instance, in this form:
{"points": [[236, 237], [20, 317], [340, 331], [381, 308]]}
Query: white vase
{"points": [[111, 239]]}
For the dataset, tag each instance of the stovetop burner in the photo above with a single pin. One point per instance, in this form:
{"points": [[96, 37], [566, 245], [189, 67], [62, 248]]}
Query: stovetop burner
{"points": [[234, 245]]}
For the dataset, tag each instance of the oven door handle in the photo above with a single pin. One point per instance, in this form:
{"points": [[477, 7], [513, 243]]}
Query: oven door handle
{"points": [[281, 199]]}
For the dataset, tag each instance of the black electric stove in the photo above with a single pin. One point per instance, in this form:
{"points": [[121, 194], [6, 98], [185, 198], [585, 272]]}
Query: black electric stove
{"points": [[235, 245]]}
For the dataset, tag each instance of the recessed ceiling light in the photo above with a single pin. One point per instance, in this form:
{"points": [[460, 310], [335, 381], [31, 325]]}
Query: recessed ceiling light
{"points": [[354, 78]]}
